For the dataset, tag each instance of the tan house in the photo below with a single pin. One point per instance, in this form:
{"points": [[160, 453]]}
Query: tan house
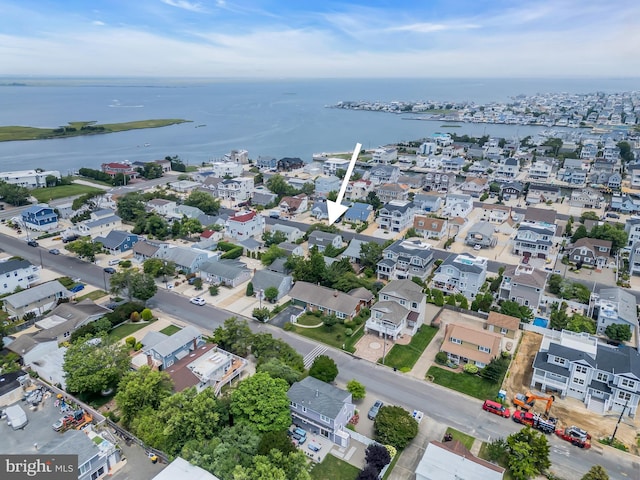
{"points": [[505, 325], [430, 227], [474, 186], [468, 345]]}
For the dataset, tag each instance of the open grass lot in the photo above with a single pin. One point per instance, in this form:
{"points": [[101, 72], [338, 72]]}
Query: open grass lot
{"points": [[170, 330], [63, 191], [472, 385], [126, 329], [406, 356], [12, 133], [334, 336], [95, 295], [333, 468], [463, 438]]}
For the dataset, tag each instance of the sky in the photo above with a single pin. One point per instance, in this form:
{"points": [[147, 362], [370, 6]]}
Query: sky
{"points": [[318, 39]]}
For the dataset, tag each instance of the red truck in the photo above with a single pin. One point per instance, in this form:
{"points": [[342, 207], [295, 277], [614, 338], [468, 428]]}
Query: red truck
{"points": [[497, 408], [535, 420]]}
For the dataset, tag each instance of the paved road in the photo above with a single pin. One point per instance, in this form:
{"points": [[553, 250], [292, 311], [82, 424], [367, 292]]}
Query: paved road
{"points": [[440, 404]]}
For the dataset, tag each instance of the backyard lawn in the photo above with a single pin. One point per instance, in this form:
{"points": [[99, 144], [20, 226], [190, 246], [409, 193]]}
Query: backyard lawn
{"points": [[463, 438], [334, 336], [404, 357], [126, 330], [95, 295], [63, 191], [334, 468], [472, 385], [170, 330]]}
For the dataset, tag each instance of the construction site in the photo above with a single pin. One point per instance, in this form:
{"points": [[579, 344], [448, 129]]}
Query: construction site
{"points": [[568, 411]]}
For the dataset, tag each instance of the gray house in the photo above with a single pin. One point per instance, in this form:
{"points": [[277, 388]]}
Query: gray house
{"points": [[400, 309], [264, 279], [36, 299], [186, 259], [481, 233], [163, 350], [322, 239], [404, 259], [353, 250], [322, 409], [523, 284], [225, 272], [462, 273], [615, 305], [292, 233]]}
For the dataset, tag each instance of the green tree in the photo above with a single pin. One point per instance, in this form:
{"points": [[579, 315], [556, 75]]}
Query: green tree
{"points": [[273, 237], [14, 194], [482, 302], [91, 367], [279, 369], [555, 284], [249, 291], [324, 368], [395, 426], [156, 226], [438, 297], [495, 370], [191, 226], [131, 206], [204, 201], [370, 254], [514, 309], [625, 152], [597, 472], [84, 247], [581, 323], [279, 185], [356, 389], [374, 201], [261, 314], [137, 285], [528, 454], [451, 300], [580, 232], [278, 440], [265, 348], [494, 187], [272, 253], [262, 401], [271, 294], [140, 389], [618, 332], [590, 215], [484, 196], [234, 336]]}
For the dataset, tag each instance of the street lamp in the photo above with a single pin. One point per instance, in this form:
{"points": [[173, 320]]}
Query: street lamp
{"points": [[165, 274], [260, 295]]}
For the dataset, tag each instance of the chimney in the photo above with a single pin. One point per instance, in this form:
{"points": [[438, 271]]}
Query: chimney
{"points": [[195, 343], [149, 360]]}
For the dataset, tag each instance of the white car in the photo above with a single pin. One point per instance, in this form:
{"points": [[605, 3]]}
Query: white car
{"points": [[198, 301]]}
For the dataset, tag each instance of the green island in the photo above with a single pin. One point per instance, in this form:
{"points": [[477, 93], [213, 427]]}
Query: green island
{"points": [[75, 129]]}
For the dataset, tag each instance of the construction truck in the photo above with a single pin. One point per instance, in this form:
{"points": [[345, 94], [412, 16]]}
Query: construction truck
{"points": [[576, 436], [528, 400], [535, 420]]}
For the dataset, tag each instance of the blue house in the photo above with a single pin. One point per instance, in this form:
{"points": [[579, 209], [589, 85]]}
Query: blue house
{"points": [[266, 162], [319, 210], [118, 241], [40, 217], [358, 212]]}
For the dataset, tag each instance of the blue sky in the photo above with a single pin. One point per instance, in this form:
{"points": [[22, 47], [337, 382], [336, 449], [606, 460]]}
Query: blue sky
{"points": [[303, 38]]}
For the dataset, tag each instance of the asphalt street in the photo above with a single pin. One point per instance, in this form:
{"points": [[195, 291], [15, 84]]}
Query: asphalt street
{"points": [[440, 404]]}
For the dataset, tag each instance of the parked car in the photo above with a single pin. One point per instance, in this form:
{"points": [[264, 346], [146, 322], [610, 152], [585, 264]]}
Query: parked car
{"points": [[198, 301], [497, 408], [373, 411], [113, 261], [109, 270], [70, 238], [76, 288], [54, 251], [32, 243]]}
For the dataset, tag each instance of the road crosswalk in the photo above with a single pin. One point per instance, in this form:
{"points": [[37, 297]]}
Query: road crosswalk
{"points": [[311, 356]]}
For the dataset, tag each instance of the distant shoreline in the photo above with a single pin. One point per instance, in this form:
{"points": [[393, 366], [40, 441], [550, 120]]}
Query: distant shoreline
{"points": [[77, 129]]}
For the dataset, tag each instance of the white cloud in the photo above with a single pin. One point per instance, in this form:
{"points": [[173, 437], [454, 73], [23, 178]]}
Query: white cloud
{"points": [[427, 27], [98, 23], [186, 5]]}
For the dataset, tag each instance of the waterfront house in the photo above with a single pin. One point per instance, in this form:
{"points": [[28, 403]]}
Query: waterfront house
{"points": [[586, 198], [225, 169], [326, 300], [614, 306], [453, 165], [230, 273], [633, 172], [384, 156], [40, 217], [236, 190], [17, 272], [265, 162], [116, 168], [461, 273], [605, 378], [245, 225], [429, 227], [511, 189], [380, 174], [396, 215], [523, 284], [412, 181], [400, 309], [37, 299], [331, 165], [574, 176], [288, 164], [481, 233], [321, 409], [436, 181], [540, 193], [405, 259], [29, 178], [590, 252], [464, 344], [117, 241]]}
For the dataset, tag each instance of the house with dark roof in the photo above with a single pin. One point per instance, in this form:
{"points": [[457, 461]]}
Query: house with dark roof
{"points": [[544, 216], [453, 461], [462, 273], [615, 306], [321, 409], [36, 299], [118, 241], [40, 217], [16, 273], [328, 301], [287, 164], [245, 225], [321, 240], [64, 319], [523, 284], [263, 279], [508, 169], [225, 272], [292, 249], [263, 197], [591, 252], [146, 249], [396, 215], [405, 259], [400, 309], [511, 189], [605, 377], [162, 351]]}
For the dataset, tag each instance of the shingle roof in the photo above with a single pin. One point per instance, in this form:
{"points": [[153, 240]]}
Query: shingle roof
{"points": [[318, 237], [353, 249], [619, 360], [224, 268], [13, 264], [176, 341], [114, 238], [625, 303], [406, 289], [325, 297], [33, 294], [529, 276], [503, 321], [319, 396], [473, 337], [102, 221], [570, 354], [181, 256], [264, 279], [486, 229], [392, 312], [145, 249]]}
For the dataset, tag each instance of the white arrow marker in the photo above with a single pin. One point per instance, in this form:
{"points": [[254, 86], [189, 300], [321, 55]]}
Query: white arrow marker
{"points": [[335, 209]]}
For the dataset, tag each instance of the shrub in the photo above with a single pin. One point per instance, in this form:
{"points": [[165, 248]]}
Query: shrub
{"points": [[134, 317], [214, 290], [348, 332], [146, 314], [138, 346], [125, 264], [197, 283], [131, 341], [249, 291], [441, 358], [470, 368], [288, 326]]}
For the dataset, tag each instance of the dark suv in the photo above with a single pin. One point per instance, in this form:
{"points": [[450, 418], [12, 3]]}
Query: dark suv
{"points": [[32, 243]]}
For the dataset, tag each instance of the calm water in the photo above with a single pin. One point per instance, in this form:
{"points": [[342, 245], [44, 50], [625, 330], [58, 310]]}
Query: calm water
{"points": [[278, 118]]}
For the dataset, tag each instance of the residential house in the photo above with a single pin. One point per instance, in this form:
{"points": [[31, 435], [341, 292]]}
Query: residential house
{"points": [[117, 241], [589, 149], [162, 350], [358, 189], [462, 273], [36, 299], [632, 227], [230, 273], [496, 214], [291, 206], [380, 174], [428, 202], [474, 186], [29, 178], [237, 156], [481, 233], [453, 165], [405, 259], [210, 183], [464, 344], [161, 206], [439, 182], [392, 191], [574, 176], [65, 318], [400, 309], [534, 240], [542, 216], [612, 181], [523, 284], [180, 468], [586, 198], [353, 251], [412, 181], [17, 272], [358, 213], [457, 205], [614, 306], [633, 172], [186, 259], [100, 223], [263, 279], [320, 210], [183, 186], [511, 189], [384, 155], [115, 168], [625, 203], [292, 249], [453, 461], [508, 169], [209, 239], [321, 240], [396, 215], [225, 169], [288, 164], [146, 249], [505, 325], [328, 301], [245, 225], [237, 189], [590, 252], [165, 164], [266, 162], [292, 233], [541, 169], [605, 377], [188, 211], [429, 227], [263, 197], [479, 167], [321, 409], [207, 366], [325, 185], [539, 193], [331, 165], [40, 217], [634, 259]]}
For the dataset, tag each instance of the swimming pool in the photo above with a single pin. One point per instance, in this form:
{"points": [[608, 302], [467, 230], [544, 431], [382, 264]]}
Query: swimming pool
{"points": [[540, 322]]}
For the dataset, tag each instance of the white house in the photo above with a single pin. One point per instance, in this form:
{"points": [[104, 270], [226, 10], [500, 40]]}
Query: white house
{"points": [[161, 206], [222, 169], [17, 273], [400, 307], [384, 155], [100, 224], [245, 225], [29, 178]]}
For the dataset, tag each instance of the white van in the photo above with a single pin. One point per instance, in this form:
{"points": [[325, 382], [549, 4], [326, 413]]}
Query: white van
{"points": [[114, 261]]}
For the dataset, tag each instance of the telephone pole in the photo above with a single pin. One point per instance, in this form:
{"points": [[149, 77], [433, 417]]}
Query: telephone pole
{"points": [[615, 430]]}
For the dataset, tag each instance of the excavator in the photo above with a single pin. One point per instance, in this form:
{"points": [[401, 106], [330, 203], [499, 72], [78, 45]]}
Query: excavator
{"points": [[527, 401]]}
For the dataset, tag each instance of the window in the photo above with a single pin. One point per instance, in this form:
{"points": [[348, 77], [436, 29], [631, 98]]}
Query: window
{"points": [[304, 409], [503, 331], [602, 377], [325, 419], [579, 381], [560, 361], [484, 349], [294, 405], [414, 305], [625, 382], [455, 340], [84, 468], [581, 369]]}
